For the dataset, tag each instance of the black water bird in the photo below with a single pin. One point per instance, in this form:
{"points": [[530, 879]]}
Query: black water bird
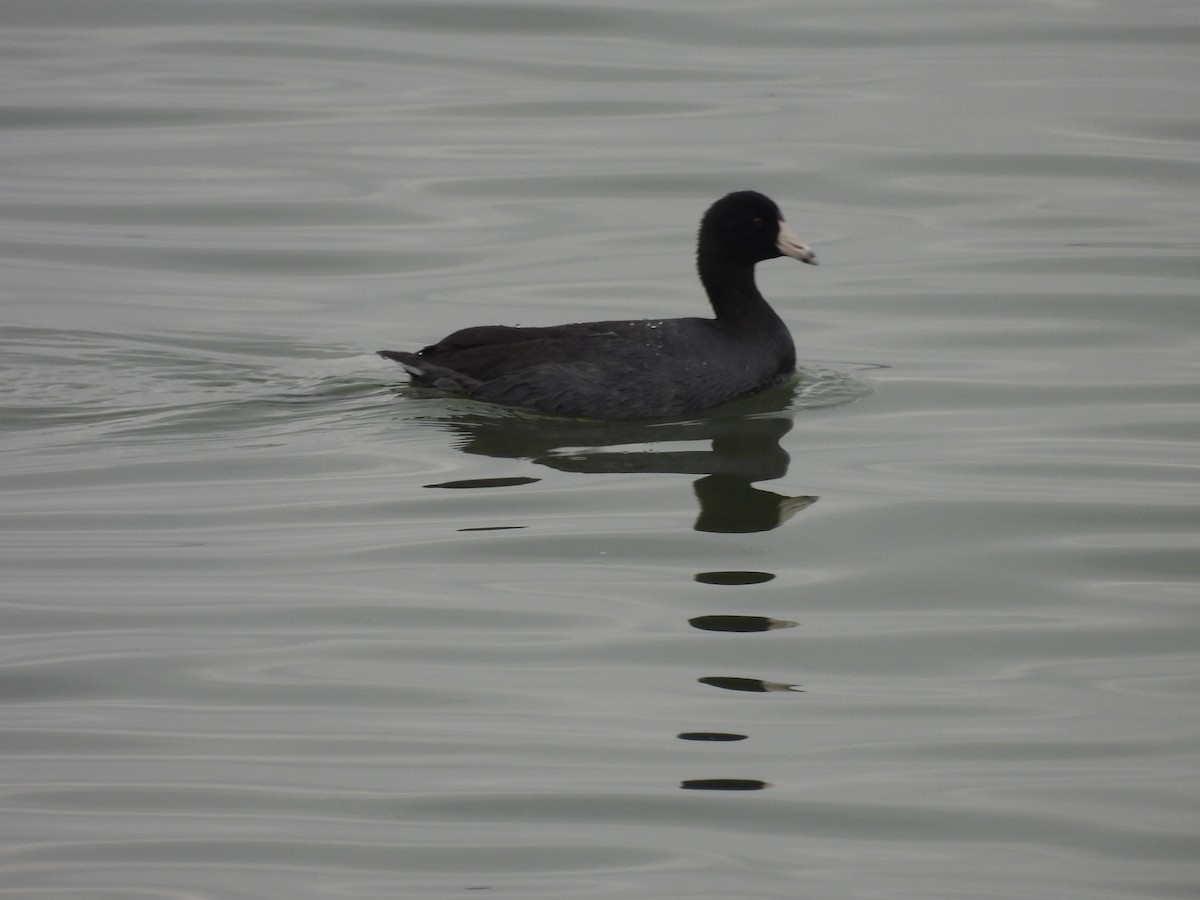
{"points": [[644, 368]]}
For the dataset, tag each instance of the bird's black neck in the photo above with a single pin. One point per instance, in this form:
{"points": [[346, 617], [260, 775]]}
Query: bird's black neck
{"points": [[734, 296]]}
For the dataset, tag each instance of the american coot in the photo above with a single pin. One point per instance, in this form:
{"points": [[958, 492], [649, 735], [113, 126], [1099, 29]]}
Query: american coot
{"points": [[646, 368]]}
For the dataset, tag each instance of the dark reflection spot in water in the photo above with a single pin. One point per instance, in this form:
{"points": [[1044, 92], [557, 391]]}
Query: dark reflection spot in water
{"points": [[715, 736], [495, 528], [723, 784], [731, 578], [753, 685], [739, 623], [729, 504], [485, 482]]}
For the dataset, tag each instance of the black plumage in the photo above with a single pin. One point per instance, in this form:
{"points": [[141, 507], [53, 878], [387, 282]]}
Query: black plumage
{"points": [[644, 368]]}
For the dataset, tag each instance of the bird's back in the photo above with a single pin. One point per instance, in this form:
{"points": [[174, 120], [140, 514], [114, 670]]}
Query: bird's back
{"points": [[614, 369]]}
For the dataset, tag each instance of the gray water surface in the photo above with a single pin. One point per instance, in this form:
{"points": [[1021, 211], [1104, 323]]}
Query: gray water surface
{"points": [[924, 624]]}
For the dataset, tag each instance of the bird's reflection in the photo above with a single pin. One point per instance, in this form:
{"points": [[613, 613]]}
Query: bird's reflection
{"points": [[743, 448], [729, 450]]}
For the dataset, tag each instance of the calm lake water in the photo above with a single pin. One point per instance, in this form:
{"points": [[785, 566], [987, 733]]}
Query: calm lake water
{"points": [[925, 624]]}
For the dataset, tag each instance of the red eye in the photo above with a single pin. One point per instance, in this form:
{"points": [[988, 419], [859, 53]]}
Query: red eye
{"points": [[758, 223]]}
